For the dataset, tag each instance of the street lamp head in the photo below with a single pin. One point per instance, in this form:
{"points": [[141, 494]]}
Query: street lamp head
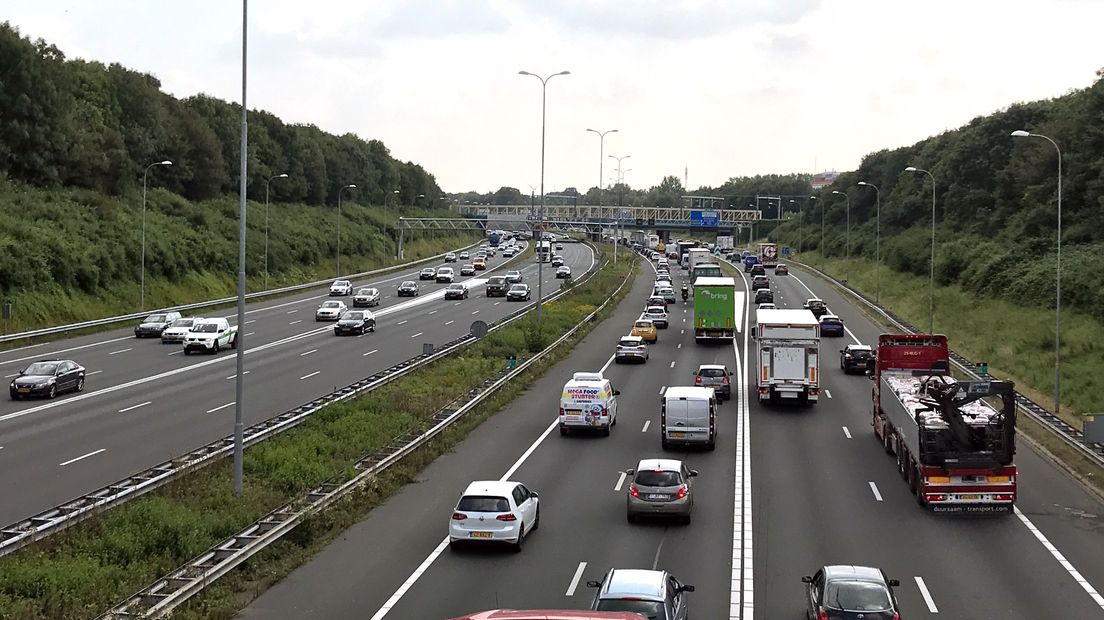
{"points": [[281, 176], [350, 185], [1019, 133], [836, 191], [524, 73], [562, 73], [910, 169], [862, 183], [165, 163]]}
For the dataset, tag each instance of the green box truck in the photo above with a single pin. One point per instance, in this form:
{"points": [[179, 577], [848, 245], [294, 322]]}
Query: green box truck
{"points": [[714, 309]]}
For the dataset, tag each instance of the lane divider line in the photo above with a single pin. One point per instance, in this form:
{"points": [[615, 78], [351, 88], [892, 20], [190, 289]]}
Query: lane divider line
{"points": [[234, 376], [874, 489], [927, 595], [310, 375], [449, 322], [575, 580], [220, 407], [620, 481], [133, 407], [672, 364], [306, 353], [647, 423], [121, 351], [828, 393], [403, 322], [1084, 583], [416, 335], [82, 457], [369, 353], [295, 322], [847, 432], [94, 372]]}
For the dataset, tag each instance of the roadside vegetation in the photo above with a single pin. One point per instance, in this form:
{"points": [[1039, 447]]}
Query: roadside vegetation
{"points": [[81, 572]]}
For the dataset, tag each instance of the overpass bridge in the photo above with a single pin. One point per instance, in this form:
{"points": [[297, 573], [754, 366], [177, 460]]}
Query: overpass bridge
{"points": [[659, 218]]}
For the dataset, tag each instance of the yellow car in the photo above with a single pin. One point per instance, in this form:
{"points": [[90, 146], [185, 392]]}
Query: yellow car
{"points": [[646, 330], [480, 263]]}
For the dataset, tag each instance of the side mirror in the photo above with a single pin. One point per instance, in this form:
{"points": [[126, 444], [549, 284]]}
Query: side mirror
{"points": [[534, 494], [617, 392], [630, 471], [594, 584], [686, 588], [730, 373], [893, 583], [807, 579], [693, 472], [841, 350], [870, 375]]}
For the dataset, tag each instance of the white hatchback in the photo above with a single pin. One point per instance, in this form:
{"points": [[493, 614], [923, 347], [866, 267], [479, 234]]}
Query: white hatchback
{"points": [[494, 511], [330, 311]]}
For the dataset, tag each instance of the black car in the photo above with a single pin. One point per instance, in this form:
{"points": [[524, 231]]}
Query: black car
{"points": [[764, 296], [48, 378], [519, 292], [408, 288], [816, 306], [357, 322], [856, 357], [497, 286], [429, 273], [850, 593], [758, 270], [758, 282], [456, 291], [656, 300]]}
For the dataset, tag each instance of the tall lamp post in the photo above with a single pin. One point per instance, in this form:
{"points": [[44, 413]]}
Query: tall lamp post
{"points": [[796, 206], [142, 285], [931, 275], [339, 192], [847, 237], [1019, 133], [239, 339], [878, 240], [601, 160], [540, 223], [267, 181], [800, 244]]}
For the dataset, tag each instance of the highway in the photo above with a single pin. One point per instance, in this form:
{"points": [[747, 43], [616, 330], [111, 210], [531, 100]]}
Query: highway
{"points": [[822, 492], [146, 402]]}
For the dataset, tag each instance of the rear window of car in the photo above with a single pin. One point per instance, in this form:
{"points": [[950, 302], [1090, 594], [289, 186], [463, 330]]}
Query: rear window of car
{"points": [[630, 343], [483, 503], [650, 609], [862, 354], [830, 322], [857, 596], [711, 372], [353, 316], [517, 287], [182, 323], [644, 324], [653, 478], [155, 318], [496, 280]]}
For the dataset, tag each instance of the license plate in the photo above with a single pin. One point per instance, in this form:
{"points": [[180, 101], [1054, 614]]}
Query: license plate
{"points": [[480, 534], [656, 496], [970, 496], [24, 390], [678, 435]]}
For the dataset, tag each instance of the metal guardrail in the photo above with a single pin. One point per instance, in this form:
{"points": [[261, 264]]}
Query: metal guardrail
{"points": [[60, 329], [165, 594], [58, 518], [1061, 429]]}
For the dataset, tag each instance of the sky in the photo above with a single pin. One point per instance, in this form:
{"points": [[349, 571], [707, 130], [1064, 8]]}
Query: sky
{"points": [[714, 88]]}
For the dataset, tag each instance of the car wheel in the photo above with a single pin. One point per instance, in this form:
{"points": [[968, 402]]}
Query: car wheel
{"points": [[521, 538], [536, 521], [630, 517], [663, 443], [53, 391], [80, 384], [606, 432], [234, 342], [187, 351], [15, 396], [686, 520], [454, 546]]}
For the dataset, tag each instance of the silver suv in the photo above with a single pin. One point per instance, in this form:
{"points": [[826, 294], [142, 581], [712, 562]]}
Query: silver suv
{"points": [[660, 487], [653, 593]]}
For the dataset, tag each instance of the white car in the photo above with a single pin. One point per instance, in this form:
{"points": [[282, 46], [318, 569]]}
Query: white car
{"points": [[445, 274], [341, 287], [494, 511], [513, 276], [667, 292], [557, 260], [766, 306], [178, 330], [631, 348], [508, 252], [330, 311], [657, 315], [212, 335], [366, 297], [450, 257], [563, 272]]}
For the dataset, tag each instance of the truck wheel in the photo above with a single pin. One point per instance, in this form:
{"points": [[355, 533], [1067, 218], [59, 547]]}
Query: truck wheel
{"points": [[606, 432], [663, 444], [886, 441], [234, 342]]}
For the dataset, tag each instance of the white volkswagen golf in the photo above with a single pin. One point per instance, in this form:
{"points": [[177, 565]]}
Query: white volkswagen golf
{"points": [[494, 511]]}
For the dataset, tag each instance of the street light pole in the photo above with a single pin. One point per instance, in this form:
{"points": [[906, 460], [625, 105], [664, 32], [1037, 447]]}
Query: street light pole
{"points": [[142, 285], [800, 244], [1058, 277], [343, 188], [239, 338], [847, 237], [878, 241], [267, 181], [601, 160], [540, 222], [931, 276]]}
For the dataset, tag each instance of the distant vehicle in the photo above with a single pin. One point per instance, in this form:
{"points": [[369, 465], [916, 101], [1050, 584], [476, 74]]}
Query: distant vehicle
{"points": [[497, 286], [557, 260], [551, 614], [758, 270], [464, 255], [657, 315], [330, 311], [429, 273], [631, 348], [467, 269], [450, 257], [758, 282], [518, 292], [660, 487], [656, 300], [175, 333], [513, 276], [764, 296], [856, 357], [213, 334], [341, 287], [667, 293], [409, 288], [445, 274], [509, 252], [154, 324], [494, 511], [564, 272], [714, 376], [47, 378], [480, 263], [705, 270], [831, 325], [646, 329], [494, 238], [366, 297], [456, 291], [768, 254], [655, 594], [750, 261], [355, 322], [816, 306], [850, 592], [781, 270], [544, 251], [688, 417], [559, 246]]}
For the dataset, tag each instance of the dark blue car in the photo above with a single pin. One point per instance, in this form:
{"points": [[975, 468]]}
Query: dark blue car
{"points": [[831, 325]]}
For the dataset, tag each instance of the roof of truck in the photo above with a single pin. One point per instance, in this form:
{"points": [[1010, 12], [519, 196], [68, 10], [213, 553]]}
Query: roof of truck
{"points": [[711, 281], [786, 316]]}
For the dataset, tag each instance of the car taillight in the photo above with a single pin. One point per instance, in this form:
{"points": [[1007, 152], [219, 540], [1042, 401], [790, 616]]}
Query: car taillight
{"points": [[507, 517], [847, 356], [459, 516], [896, 616], [633, 491], [561, 410], [682, 492], [697, 380], [724, 380], [937, 498], [1004, 497], [822, 615], [605, 411]]}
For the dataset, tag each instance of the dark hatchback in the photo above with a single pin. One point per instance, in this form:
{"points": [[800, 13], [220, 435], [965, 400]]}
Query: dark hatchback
{"points": [[497, 286], [764, 296], [357, 322], [408, 289], [856, 357], [850, 593], [48, 378]]}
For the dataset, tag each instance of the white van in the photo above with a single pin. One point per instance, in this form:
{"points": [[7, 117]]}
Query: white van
{"points": [[688, 416], [588, 401]]}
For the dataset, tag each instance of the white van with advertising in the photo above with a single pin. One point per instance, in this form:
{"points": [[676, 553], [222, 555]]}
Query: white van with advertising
{"points": [[589, 402], [688, 417]]}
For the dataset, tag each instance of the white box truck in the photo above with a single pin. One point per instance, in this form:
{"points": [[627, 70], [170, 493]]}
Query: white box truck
{"points": [[788, 368]]}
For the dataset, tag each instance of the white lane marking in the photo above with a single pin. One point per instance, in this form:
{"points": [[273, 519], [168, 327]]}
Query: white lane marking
{"points": [[672, 364], [236, 374], [306, 353], [310, 375], [424, 566], [250, 321], [220, 407], [294, 322], [497, 302], [647, 423], [679, 346], [404, 321], [84, 456], [684, 320], [177, 352], [620, 481], [828, 393], [10, 376], [449, 322], [741, 591], [847, 432], [433, 312], [369, 353], [576, 578], [608, 362], [682, 331], [416, 335], [874, 489], [132, 407], [662, 390], [456, 304], [94, 372], [1084, 583], [927, 595], [41, 355], [292, 311], [476, 312], [250, 333], [121, 351]]}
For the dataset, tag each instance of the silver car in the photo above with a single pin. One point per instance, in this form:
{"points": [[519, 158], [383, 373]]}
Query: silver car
{"points": [[178, 329], [715, 376], [330, 311], [660, 487], [366, 298], [655, 594]]}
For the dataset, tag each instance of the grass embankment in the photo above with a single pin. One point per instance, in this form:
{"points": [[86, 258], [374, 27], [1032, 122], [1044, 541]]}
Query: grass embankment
{"points": [[80, 259], [81, 572]]}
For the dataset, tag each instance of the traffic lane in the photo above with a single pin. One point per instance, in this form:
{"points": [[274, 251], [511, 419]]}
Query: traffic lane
{"points": [[416, 518], [170, 418]]}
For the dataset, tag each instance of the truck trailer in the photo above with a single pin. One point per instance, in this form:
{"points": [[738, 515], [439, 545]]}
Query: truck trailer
{"points": [[954, 449], [768, 255], [714, 309], [788, 368]]}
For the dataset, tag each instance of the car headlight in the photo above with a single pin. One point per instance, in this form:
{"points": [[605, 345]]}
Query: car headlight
{"points": [[43, 384]]}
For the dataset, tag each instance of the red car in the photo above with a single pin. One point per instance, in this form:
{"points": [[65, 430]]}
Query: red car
{"points": [[781, 270]]}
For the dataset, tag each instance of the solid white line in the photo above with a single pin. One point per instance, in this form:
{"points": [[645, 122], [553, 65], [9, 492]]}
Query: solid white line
{"points": [[672, 364], [369, 353], [250, 333], [177, 352], [449, 322], [847, 432], [404, 321], [126, 409], [236, 374], [828, 393], [305, 353], [1084, 583], [608, 362], [121, 351], [927, 595], [576, 578], [416, 335], [620, 481], [220, 407], [294, 322], [741, 590], [647, 423], [250, 321], [310, 375], [874, 489], [93, 453]]}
